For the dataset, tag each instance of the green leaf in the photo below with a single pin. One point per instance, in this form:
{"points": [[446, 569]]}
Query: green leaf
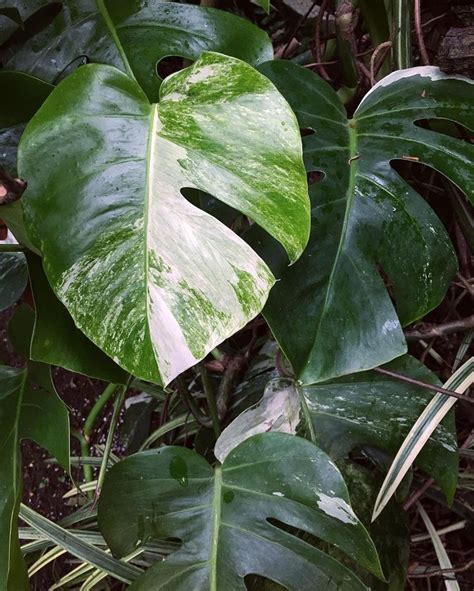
{"points": [[221, 516], [57, 341], [391, 534], [371, 409], [13, 278], [415, 442], [21, 97], [331, 312], [33, 413], [111, 32], [153, 281], [265, 4]]}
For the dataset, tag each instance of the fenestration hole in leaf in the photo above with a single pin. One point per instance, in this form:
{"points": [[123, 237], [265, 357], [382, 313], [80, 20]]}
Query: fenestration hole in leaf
{"points": [[257, 583], [447, 127], [171, 64], [315, 176], [306, 131], [220, 210]]}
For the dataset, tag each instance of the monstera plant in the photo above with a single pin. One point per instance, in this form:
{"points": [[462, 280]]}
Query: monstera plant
{"points": [[151, 218]]}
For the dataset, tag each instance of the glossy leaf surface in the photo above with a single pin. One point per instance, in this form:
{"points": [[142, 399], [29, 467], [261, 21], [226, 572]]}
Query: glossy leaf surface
{"points": [[29, 412], [57, 341], [153, 281], [13, 278], [20, 98], [375, 410], [331, 312], [221, 516], [134, 35]]}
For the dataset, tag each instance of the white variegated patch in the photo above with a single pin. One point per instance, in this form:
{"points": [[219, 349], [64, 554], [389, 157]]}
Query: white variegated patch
{"points": [[278, 410]]}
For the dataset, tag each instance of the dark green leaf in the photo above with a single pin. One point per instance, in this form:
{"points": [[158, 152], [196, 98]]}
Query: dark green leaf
{"points": [[373, 409], [331, 312], [57, 341], [221, 516], [111, 32], [150, 279], [13, 278], [20, 98], [391, 533], [30, 412]]}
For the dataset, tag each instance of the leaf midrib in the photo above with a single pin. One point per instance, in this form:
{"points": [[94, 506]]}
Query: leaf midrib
{"points": [[115, 38], [352, 136], [216, 523]]}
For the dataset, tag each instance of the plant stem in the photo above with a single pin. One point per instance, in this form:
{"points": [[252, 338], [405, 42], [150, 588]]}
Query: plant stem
{"points": [[441, 330], [96, 409], [401, 33], [11, 248], [110, 437], [211, 400], [85, 452], [437, 389]]}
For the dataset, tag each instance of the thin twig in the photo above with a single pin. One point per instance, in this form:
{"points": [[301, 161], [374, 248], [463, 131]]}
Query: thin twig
{"points": [[377, 50], [299, 24], [211, 400], [231, 373], [437, 389], [317, 41], [441, 330], [413, 498], [442, 571], [419, 34]]}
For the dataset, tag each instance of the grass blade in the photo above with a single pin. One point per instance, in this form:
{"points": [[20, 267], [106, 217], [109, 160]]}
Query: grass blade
{"points": [[421, 432], [78, 548], [443, 558]]}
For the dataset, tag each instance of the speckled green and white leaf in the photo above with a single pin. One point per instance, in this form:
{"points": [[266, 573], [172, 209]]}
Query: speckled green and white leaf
{"points": [[222, 517], [151, 279], [134, 35], [371, 409], [331, 312], [278, 410]]}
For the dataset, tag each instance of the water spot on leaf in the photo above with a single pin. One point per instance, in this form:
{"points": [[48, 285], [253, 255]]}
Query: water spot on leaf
{"points": [[179, 471]]}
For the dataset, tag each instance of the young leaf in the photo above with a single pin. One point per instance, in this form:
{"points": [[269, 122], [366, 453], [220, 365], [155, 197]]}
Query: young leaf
{"points": [[370, 409], [111, 32], [278, 410], [221, 516], [33, 413], [421, 431], [331, 312], [153, 281], [13, 278]]}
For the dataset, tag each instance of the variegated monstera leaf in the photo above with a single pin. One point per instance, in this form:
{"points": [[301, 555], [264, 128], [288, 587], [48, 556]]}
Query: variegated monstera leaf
{"points": [[148, 277]]}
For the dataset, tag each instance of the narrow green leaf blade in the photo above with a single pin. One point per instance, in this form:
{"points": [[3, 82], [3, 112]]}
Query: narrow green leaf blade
{"points": [[153, 281], [419, 434], [78, 547]]}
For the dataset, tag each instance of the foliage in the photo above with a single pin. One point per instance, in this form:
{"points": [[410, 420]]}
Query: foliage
{"points": [[166, 160]]}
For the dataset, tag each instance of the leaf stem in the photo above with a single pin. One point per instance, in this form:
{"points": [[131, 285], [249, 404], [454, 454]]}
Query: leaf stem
{"points": [[401, 33], [211, 400], [11, 248], [110, 437]]}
